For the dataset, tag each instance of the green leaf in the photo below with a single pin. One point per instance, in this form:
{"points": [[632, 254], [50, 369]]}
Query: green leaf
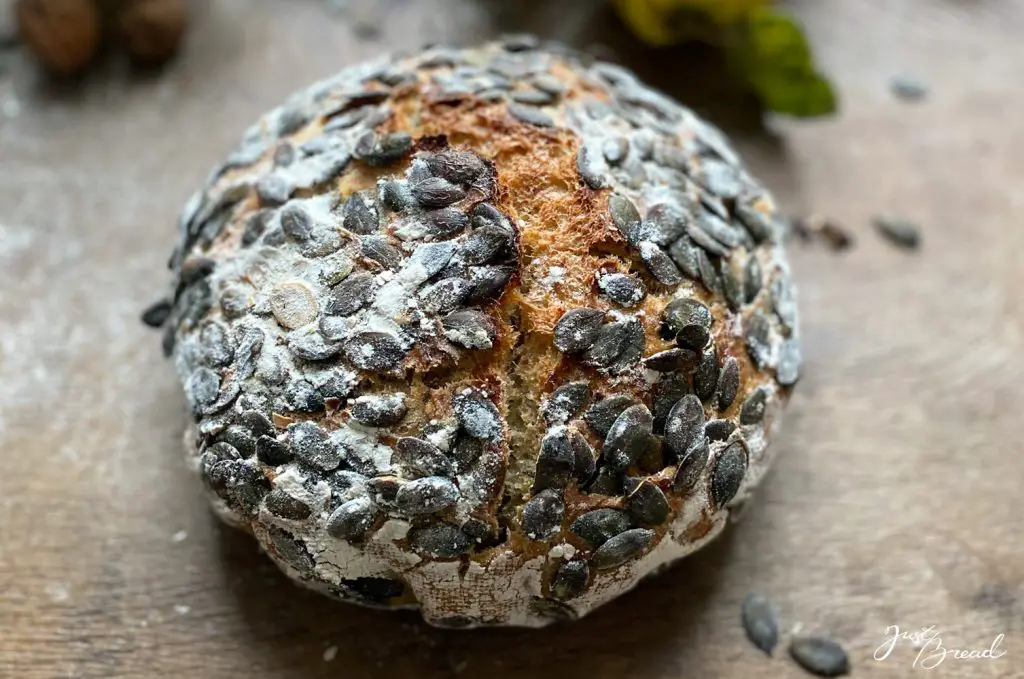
{"points": [[805, 96], [770, 51]]}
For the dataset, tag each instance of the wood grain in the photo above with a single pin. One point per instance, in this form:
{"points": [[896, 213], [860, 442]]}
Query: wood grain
{"points": [[896, 500]]}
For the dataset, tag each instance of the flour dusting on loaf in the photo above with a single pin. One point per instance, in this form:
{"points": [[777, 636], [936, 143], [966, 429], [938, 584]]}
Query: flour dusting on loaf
{"points": [[492, 332]]}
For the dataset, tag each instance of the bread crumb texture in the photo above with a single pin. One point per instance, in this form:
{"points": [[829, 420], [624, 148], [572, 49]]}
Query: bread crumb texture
{"points": [[493, 333]]}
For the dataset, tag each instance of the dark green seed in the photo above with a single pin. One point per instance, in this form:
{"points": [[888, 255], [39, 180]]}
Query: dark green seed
{"points": [[530, 115], [379, 410], [485, 244], [256, 226], [588, 170], [760, 622], [565, 401], [659, 264], [577, 329], [436, 192], [708, 245], [441, 540], [819, 656], [672, 360], [422, 458], [351, 295], [485, 214], [273, 189], [375, 351], [728, 383], [719, 430], [684, 253], [721, 179], [634, 343], [757, 223], [445, 222], [615, 150], [296, 222], [584, 458], [359, 215], [312, 446], [733, 284], [607, 345], [622, 288], [477, 415], [598, 526], [351, 519], [688, 321], [272, 452], [488, 282], [570, 580], [752, 410], [280, 503], [705, 379], [532, 97], [428, 495], [303, 397], [730, 467], [758, 337], [372, 590], [555, 462], [383, 150], [202, 388], [621, 548], [457, 167], [784, 301], [257, 423], [787, 372], [312, 346], [684, 424], [543, 514], [666, 393], [666, 222], [603, 414], [752, 278], [466, 451], [691, 466], [629, 437], [624, 215], [606, 482], [248, 345], [240, 438], [284, 154], [378, 249], [708, 272], [395, 195], [157, 313], [292, 551], [217, 349], [647, 505], [446, 295], [900, 232]]}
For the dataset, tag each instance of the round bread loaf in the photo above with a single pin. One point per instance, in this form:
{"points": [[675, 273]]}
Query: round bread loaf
{"points": [[493, 333]]}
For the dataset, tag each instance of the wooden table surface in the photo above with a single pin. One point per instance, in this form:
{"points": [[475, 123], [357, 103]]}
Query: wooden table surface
{"points": [[897, 497]]}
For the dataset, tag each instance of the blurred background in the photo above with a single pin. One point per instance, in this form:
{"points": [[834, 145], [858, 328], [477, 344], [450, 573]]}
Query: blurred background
{"points": [[890, 133]]}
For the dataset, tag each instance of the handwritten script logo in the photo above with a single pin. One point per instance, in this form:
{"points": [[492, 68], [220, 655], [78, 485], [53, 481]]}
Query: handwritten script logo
{"points": [[931, 651]]}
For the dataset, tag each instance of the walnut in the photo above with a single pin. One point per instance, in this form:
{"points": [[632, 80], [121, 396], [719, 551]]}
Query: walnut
{"points": [[64, 35], [151, 30]]}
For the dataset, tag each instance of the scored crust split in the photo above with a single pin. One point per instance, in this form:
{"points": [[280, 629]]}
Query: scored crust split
{"points": [[492, 332]]}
